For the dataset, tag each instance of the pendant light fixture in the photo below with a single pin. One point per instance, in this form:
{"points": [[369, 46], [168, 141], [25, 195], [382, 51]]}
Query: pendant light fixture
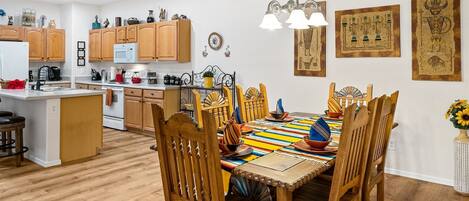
{"points": [[297, 18]]}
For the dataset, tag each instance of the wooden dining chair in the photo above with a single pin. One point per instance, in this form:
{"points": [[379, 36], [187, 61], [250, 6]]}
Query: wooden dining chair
{"points": [[381, 133], [350, 165], [217, 104], [253, 104], [189, 158], [349, 95]]}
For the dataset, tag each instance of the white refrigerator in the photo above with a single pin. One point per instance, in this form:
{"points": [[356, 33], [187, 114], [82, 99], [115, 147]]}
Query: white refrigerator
{"points": [[14, 60]]}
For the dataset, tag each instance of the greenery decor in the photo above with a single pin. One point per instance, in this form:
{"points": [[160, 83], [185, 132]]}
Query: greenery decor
{"points": [[458, 114], [208, 74]]}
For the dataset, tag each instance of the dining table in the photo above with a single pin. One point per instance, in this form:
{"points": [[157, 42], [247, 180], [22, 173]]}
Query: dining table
{"points": [[275, 161]]}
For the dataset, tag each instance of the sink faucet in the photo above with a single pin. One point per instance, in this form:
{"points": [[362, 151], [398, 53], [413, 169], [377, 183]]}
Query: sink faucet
{"points": [[38, 82]]}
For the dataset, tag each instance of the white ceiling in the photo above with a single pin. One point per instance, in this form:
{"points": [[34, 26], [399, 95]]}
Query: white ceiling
{"points": [[94, 2]]}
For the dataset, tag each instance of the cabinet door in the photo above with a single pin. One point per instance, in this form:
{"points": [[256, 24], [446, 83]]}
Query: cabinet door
{"points": [[35, 37], [132, 35], [147, 113], [121, 34], [95, 45], [107, 45], [133, 112], [81, 86], [11, 33], [147, 42], [167, 42], [55, 39]]}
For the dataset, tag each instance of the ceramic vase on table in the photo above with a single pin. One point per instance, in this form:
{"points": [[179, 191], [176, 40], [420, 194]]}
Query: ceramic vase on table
{"points": [[208, 82], [461, 166]]}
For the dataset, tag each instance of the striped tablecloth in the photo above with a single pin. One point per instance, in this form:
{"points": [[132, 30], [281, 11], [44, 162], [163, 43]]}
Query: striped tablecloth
{"points": [[279, 137]]}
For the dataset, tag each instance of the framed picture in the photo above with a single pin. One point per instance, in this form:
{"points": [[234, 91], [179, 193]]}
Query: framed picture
{"points": [[81, 62], [368, 32], [215, 41], [81, 45], [81, 53], [310, 50], [436, 40]]}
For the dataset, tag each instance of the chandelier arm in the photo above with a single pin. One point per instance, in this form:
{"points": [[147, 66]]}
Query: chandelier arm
{"points": [[313, 4], [273, 7]]}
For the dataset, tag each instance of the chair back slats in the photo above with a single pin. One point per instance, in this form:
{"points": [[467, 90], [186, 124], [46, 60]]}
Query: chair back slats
{"points": [[350, 95], [379, 142], [217, 104], [188, 157], [353, 151], [253, 103]]}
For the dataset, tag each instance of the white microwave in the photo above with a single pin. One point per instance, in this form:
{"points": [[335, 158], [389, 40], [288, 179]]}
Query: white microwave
{"points": [[126, 53]]}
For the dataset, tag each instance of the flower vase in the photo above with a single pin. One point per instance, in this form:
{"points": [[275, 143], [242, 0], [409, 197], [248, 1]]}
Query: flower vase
{"points": [[208, 82], [461, 160]]}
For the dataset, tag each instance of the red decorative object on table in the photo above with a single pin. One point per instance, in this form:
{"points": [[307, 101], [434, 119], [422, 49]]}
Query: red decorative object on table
{"points": [[16, 84]]}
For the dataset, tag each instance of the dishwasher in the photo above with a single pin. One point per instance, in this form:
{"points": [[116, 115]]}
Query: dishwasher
{"points": [[114, 114]]}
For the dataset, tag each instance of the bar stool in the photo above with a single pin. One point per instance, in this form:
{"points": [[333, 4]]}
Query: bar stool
{"points": [[9, 125], [3, 139]]}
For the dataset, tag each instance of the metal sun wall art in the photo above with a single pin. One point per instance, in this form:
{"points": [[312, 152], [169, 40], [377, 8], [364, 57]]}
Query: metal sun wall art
{"points": [[436, 40], [310, 51], [368, 32]]}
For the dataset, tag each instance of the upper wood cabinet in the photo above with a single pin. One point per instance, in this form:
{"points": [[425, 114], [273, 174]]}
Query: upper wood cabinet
{"points": [[147, 42], [95, 45], [121, 34], [55, 44], [11, 33], [107, 45], [127, 34], [174, 41], [35, 37]]}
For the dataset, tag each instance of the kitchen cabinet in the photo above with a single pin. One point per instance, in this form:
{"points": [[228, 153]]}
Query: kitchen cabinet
{"points": [[133, 112], [95, 87], [55, 45], [107, 44], [147, 42], [127, 34], [95, 45], [11, 33], [46, 44], [81, 86], [35, 37], [174, 41], [148, 124]]}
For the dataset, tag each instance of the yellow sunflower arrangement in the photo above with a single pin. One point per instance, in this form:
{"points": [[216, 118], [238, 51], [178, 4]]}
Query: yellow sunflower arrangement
{"points": [[458, 114]]}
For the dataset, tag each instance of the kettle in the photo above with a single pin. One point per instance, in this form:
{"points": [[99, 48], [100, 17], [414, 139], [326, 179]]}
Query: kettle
{"points": [[95, 75]]}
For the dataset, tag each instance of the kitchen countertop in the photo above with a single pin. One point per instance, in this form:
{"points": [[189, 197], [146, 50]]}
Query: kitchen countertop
{"points": [[26, 94], [138, 86]]}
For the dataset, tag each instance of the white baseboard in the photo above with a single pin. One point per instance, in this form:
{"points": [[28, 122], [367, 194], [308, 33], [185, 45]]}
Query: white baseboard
{"points": [[43, 163], [413, 175]]}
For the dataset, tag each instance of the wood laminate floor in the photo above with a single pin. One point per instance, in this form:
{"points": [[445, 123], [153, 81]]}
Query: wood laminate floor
{"points": [[127, 169]]}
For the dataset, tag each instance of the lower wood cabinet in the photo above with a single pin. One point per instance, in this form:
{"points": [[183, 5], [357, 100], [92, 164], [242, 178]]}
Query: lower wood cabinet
{"points": [[138, 107], [81, 86]]}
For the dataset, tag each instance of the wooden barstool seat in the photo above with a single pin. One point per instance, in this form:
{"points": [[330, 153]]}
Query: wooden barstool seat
{"points": [[9, 125]]}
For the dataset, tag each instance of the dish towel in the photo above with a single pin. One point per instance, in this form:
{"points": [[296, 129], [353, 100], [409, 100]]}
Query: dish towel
{"points": [[237, 116], [109, 95], [232, 133], [334, 106], [320, 131], [279, 109]]}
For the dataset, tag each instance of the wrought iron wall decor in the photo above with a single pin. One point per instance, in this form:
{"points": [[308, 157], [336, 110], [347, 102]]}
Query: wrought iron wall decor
{"points": [[368, 32], [310, 50], [194, 80], [81, 52], [436, 40]]}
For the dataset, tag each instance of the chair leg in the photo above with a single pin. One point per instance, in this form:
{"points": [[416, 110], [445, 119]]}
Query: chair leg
{"points": [[20, 131], [380, 190], [18, 149], [4, 141], [9, 140]]}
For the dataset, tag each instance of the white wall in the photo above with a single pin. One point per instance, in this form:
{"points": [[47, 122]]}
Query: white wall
{"points": [[15, 8], [423, 140]]}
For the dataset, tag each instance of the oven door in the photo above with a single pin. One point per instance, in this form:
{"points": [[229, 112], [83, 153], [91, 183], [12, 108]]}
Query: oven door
{"points": [[117, 107]]}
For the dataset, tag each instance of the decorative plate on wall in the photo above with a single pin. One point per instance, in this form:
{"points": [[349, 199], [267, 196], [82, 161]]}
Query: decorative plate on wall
{"points": [[215, 41]]}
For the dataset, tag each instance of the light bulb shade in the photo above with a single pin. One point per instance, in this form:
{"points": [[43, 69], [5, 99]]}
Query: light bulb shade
{"points": [[299, 26], [297, 16], [270, 22], [317, 19]]}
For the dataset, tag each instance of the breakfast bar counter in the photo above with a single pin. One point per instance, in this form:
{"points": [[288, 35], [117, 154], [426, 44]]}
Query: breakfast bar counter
{"points": [[62, 125]]}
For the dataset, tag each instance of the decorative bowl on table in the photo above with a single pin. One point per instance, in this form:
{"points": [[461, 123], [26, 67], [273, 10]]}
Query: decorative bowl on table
{"points": [[334, 115], [228, 148], [279, 116], [317, 144]]}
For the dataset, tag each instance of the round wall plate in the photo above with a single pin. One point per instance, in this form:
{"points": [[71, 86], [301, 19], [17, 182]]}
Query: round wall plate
{"points": [[215, 41]]}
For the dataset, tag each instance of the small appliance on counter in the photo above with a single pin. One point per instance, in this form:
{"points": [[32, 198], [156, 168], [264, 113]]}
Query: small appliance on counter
{"points": [[95, 75], [152, 78], [112, 73], [167, 79], [53, 74], [136, 78], [172, 80], [125, 53]]}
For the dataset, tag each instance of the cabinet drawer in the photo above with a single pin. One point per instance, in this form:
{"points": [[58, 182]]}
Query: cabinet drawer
{"points": [[132, 92], [81, 86], [95, 87], [153, 94]]}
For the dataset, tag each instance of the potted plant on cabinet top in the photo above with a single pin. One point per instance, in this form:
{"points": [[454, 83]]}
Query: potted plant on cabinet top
{"points": [[208, 79], [458, 114]]}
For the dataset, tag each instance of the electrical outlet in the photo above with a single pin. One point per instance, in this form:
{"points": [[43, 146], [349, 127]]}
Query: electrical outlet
{"points": [[392, 145]]}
